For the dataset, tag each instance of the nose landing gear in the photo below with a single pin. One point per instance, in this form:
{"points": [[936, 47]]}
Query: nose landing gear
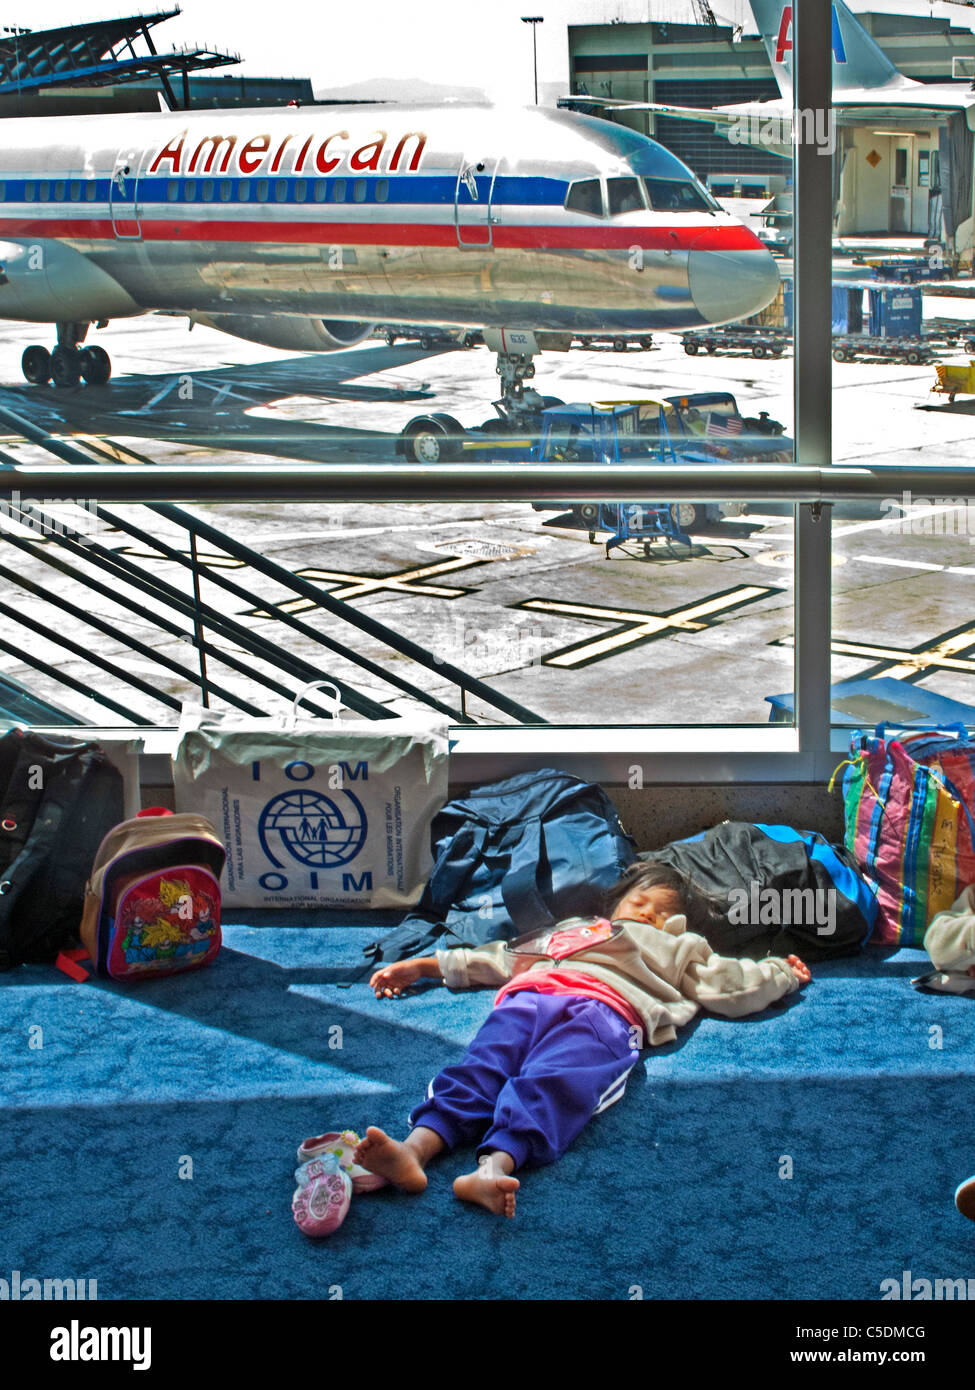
{"points": [[69, 362]]}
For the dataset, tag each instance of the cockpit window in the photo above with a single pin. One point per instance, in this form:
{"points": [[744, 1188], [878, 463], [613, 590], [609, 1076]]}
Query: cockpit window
{"points": [[585, 196], [676, 195], [624, 196]]}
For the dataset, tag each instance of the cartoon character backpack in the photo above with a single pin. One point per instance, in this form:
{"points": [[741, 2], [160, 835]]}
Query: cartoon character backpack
{"points": [[152, 906]]}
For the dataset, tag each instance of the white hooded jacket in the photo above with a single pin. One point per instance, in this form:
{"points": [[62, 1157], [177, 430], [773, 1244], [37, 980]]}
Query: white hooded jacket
{"points": [[666, 975]]}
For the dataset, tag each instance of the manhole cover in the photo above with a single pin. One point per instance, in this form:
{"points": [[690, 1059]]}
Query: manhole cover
{"points": [[473, 549]]}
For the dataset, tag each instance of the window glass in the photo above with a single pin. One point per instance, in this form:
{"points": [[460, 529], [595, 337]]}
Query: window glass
{"points": [[206, 192], [172, 190], [624, 196], [281, 190], [226, 189], [243, 190], [902, 641], [301, 190], [359, 190], [382, 190], [59, 190], [189, 190], [338, 190], [90, 191], [44, 190], [321, 190], [675, 195], [262, 186], [585, 196]]}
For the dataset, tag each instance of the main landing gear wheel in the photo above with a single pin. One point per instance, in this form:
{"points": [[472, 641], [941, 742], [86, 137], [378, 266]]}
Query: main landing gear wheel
{"points": [[96, 365], [435, 440], [36, 365], [65, 366]]}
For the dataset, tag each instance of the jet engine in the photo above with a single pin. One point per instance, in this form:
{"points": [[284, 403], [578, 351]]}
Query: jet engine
{"points": [[45, 281], [292, 332]]}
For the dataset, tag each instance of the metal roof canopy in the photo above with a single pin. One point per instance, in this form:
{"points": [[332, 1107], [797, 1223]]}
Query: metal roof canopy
{"points": [[99, 53]]}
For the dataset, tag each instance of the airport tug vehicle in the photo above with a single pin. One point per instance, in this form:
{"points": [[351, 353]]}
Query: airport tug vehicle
{"points": [[702, 427]]}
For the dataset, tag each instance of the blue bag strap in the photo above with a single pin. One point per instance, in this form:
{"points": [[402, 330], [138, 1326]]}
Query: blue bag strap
{"points": [[519, 888], [881, 730]]}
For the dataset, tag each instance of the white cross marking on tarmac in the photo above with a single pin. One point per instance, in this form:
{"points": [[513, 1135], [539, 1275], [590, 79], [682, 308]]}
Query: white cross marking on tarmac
{"points": [[356, 585], [640, 625]]}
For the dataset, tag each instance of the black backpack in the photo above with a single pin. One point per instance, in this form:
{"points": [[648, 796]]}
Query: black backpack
{"points": [[515, 856], [60, 797]]}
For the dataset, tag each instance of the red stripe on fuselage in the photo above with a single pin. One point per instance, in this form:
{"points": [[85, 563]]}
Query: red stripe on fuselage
{"points": [[527, 237]]}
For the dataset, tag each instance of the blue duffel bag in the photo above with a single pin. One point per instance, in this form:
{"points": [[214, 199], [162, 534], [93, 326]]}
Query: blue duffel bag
{"points": [[512, 857]]}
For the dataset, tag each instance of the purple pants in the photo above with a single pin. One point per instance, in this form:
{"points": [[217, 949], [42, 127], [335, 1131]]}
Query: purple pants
{"points": [[539, 1067]]}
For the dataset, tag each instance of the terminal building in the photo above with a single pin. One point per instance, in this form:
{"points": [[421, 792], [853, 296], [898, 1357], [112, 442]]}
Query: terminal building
{"points": [[887, 174]]}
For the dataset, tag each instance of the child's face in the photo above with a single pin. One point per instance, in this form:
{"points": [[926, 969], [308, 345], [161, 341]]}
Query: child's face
{"points": [[652, 905]]}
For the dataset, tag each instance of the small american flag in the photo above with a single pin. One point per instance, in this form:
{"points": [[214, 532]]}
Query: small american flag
{"points": [[723, 425]]}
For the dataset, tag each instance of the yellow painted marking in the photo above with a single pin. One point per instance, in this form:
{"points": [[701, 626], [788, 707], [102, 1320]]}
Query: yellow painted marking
{"points": [[641, 624], [907, 663], [493, 444], [356, 585], [96, 445], [359, 584]]}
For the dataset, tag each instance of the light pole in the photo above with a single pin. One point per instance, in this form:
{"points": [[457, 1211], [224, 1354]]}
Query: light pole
{"points": [[534, 20]]}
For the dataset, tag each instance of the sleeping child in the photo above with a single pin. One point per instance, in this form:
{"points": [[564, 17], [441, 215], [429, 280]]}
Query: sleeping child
{"points": [[567, 1026]]}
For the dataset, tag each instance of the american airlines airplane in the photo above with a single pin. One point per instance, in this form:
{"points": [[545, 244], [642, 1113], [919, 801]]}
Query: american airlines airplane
{"points": [[300, 228]]}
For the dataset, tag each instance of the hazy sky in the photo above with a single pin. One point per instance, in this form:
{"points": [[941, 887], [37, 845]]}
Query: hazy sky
{"points": [[467, 43], [454, 42]]}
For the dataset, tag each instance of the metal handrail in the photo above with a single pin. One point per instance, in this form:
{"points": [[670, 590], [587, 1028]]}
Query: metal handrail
{"points": [[503, 482]]}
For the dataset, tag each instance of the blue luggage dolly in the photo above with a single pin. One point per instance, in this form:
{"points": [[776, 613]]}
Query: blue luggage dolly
{"points": [[883, 700], [643, 522]]}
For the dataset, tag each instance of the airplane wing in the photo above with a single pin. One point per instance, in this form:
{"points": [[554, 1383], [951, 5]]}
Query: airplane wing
{"points": [[720, 119]]}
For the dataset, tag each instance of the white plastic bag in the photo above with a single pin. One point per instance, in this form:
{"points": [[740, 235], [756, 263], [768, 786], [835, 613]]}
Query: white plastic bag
{"points": [[313, 812]]}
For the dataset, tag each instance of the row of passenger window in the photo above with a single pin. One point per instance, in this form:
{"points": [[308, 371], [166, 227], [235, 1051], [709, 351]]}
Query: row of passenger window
{"points": [[276, 190], [215, 190]]}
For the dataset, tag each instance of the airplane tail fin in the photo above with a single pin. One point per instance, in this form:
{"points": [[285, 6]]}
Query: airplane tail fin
{"points": [[858, 61]]}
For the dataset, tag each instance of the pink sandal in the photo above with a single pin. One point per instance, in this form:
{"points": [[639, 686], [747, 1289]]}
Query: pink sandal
{"points": [[322, 1197], [342, 1146]]}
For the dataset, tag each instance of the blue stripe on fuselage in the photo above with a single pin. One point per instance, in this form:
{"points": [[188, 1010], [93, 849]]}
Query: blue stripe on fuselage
{"points": [[416, 189]]}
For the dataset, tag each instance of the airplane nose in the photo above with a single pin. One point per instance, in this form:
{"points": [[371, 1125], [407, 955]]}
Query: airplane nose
{"points": [[730, 285]]}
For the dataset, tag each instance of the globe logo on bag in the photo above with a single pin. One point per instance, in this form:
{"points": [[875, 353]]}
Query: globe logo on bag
{"points": [[319, 831]]}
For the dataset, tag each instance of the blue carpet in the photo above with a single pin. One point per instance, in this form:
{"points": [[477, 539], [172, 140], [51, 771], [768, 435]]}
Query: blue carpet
{"points": [[149, 1140]]}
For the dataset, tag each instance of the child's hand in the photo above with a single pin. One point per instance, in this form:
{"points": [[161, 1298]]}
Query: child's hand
{"points": [[801, 971], [390, 982]]}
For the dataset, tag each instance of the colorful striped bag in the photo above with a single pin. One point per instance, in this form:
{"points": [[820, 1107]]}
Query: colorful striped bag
{"points": [[909, 827]]}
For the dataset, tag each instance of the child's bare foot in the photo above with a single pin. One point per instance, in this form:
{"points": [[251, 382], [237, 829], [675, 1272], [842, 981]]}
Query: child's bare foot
{"points": [[488, 1189], [391, 1159]]}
